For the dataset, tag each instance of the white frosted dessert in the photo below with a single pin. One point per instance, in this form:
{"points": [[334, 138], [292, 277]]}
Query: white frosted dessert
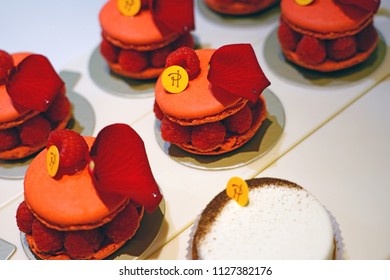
{"points": [[281, 221]]}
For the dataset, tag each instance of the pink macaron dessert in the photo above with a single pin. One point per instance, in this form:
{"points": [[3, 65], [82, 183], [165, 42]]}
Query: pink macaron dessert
{"points": [[136, 44], [328, 35]]}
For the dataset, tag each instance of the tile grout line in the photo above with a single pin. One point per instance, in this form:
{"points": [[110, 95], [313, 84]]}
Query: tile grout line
{"points": [[170, 239], [11, 200]]}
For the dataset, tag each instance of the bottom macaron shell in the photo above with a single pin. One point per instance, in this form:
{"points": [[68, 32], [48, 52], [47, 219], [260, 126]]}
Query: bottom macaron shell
{"points": [[148, 73], [239, 8], [331, 65], [20, 152], [102, 253], [235, 141], [28, 115], [212, 118]]}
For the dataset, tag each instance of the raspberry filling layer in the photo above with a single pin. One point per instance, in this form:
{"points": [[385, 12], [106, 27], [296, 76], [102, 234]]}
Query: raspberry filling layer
{"points": [[136, 61], [208, 136], [316, 51], [35, 130], [79, 244]]}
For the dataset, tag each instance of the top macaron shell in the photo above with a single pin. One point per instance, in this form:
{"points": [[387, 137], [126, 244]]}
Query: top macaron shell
{"points": [[132, 31], [71, 202], [198, 100], [328, 17]]}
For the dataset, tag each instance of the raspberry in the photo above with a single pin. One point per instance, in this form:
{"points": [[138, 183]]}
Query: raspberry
{"points": [[186, 58], [184, 41], [6, 64], [208, 136], [158, 57], [157, 111], [124, 225], [342, 48], [72, 148], [240, 122], [24, 218], [109, 51], [47, 240], [175, 133], [34, 131], [311, 50], [82, 244], [8, 139], [288, 38], [133, 61], [366, 38], [59, 109]]}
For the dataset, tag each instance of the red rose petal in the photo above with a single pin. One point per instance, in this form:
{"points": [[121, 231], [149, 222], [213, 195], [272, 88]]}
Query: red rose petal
{"points": [[176, 15], [34, 83], [369, 5], [235, 69], [121, 166]]}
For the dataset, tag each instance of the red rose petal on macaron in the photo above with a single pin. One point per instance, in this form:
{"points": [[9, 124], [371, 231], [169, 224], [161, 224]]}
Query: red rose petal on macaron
{"points": [[235, 69], [34, 83], [6, 65], [369, 5], [176, 15], [121, 166]]}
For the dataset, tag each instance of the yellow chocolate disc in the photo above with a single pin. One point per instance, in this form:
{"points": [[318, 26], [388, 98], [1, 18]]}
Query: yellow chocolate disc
{"points": [[52, 160], [175, 79], [129, 8], [237, 189], [303, 2]]}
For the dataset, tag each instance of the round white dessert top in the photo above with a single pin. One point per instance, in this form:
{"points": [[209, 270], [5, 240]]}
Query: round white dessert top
{"points": [[281, 221]]}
